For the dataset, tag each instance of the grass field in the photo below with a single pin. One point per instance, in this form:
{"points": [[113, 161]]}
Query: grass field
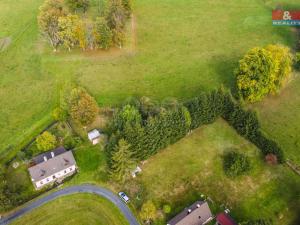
{"points": [[280, 117], [181, 47], [76, 209], [175, 48], [179, 174]]}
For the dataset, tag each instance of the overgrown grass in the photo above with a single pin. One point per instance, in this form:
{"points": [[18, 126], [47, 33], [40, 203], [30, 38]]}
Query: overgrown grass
{"points": [[179, 174], [75, 209]]}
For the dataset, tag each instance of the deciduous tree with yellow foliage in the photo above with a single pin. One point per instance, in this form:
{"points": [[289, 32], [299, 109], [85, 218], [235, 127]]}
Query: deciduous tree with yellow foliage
{"points": [[263, 71]]}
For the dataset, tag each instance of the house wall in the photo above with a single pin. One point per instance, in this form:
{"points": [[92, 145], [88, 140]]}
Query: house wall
{"points": [[96, 141], [57, 175]]}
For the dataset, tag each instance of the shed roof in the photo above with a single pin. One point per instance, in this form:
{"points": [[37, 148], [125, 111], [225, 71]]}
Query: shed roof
{"points": [[196, 214], [93, 134], [225, 219], [52, 166]]}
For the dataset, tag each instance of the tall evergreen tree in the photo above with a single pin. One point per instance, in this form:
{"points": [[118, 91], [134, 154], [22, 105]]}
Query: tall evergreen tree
{"points": [[122, 161]]}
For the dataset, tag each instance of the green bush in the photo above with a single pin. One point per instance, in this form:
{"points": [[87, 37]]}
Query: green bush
{"points": [[167, 209], [71, 142], [236, 164], [46, 141]]}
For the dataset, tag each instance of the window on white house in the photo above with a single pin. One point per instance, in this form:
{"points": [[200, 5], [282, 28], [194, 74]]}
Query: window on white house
{"points": [[65, 171], [70, 169], [41, 182]]}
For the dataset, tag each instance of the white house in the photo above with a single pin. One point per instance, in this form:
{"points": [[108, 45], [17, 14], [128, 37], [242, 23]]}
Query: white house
{"points": [[94, 136], [52, 166]]}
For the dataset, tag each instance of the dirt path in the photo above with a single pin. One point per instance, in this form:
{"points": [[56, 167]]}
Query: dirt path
{"points": [[133, 30]]}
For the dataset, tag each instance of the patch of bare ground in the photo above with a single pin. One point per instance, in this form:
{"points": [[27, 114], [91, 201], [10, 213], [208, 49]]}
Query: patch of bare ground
{"points": [[4, 43]]}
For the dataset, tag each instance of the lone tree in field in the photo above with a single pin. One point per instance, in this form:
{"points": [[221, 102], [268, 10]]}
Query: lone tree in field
{"points": [[46, 141], [82, 107], [48, 17], [148, 212], [263, 71], [122, 162], [116, 19], [75, 5]]}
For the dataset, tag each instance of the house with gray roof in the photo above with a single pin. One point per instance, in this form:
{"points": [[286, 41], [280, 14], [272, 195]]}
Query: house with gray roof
{"points": [[52, 166], [197, 214]]}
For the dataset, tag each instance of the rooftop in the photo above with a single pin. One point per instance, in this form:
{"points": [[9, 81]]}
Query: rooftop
{"points": [[52, 166], [225, 219], [50, 154], [93, 134], [197, 214]]}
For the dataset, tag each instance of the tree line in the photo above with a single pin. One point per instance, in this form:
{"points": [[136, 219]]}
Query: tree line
{"points": [[143, 127], [64, 23]]}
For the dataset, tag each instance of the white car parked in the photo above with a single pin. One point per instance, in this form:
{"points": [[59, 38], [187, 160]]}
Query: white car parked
{"points": [[124, 197]]}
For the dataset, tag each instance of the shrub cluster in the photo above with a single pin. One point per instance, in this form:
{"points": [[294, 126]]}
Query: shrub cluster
{"points": [[236, 164], [61, 22]]}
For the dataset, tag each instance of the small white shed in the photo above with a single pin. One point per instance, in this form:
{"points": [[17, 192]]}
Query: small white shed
{"points": [[94, 136]]}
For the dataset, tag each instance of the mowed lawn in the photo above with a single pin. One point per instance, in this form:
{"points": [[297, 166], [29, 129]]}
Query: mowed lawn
{"points": [[280, 118], [179, 175], [175, 48], [79, 209]]}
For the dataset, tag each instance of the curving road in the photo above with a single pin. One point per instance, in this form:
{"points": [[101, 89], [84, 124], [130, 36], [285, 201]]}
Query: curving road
{"points": [[72, 190]]}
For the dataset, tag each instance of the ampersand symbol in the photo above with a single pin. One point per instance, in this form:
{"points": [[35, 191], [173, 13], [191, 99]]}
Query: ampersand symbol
{"points": [[287, 16]]}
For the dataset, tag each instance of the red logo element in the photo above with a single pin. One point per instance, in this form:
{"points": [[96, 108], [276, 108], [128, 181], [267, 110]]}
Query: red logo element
{"points": [[285, 15]]}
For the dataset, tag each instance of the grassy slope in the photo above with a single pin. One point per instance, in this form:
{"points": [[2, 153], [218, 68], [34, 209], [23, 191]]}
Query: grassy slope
{"points": [[180, 173], [280, 117], [182, 47], [26, 90], [75, 209]]}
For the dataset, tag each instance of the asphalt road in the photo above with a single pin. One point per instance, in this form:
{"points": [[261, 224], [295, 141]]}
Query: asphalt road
{"points": [[72, 190]]}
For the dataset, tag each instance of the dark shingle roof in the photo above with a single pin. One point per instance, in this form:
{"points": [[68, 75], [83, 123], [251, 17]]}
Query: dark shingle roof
{"points": [[40, 158]]}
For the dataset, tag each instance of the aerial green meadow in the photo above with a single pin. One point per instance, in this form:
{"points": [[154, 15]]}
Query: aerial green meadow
{"points": [[84, 209], [174, 49]]}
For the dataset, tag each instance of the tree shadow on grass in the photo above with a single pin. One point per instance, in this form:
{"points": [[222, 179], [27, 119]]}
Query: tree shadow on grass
{"points": [[224, 66]]}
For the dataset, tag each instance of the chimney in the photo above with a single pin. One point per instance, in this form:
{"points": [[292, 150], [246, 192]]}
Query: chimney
{"points": [[45, 158], [52, 154], [189, 211]]}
